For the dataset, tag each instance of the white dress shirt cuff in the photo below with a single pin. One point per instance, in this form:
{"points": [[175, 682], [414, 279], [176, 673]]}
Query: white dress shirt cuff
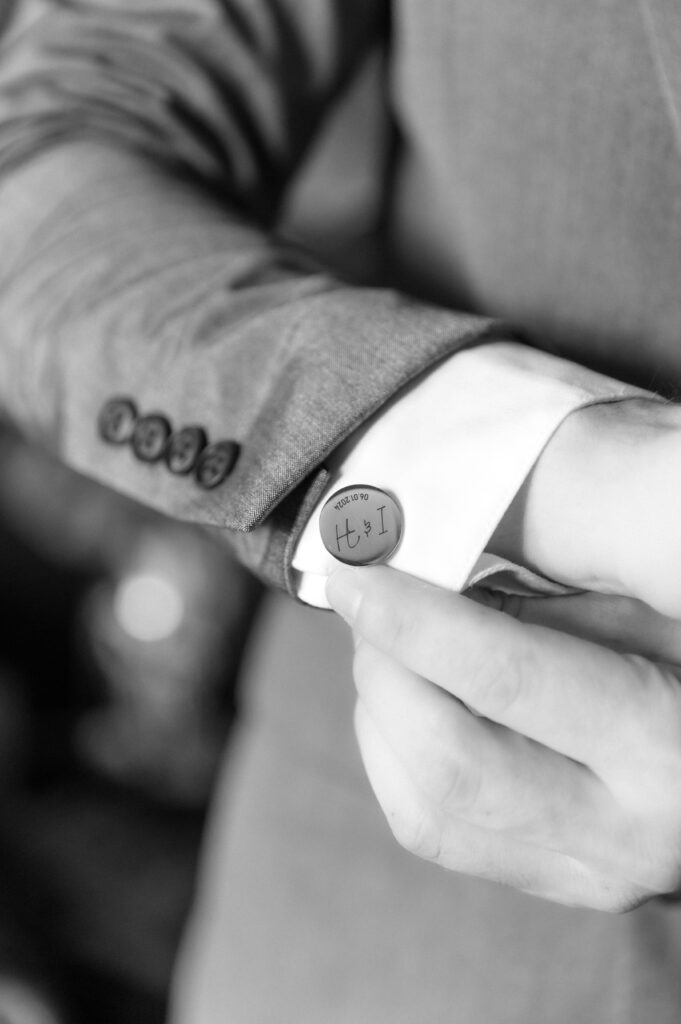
{"points": [[455, 448]]}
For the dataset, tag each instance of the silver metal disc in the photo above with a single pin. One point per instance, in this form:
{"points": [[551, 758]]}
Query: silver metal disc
{"points": [[361, 525]]}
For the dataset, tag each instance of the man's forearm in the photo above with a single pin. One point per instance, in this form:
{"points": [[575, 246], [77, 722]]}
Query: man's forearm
{"points": [[131, 281], [600, 509]]}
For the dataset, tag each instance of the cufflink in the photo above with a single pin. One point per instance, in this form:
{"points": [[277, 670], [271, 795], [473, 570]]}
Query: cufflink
{"points": [[361, 525]]}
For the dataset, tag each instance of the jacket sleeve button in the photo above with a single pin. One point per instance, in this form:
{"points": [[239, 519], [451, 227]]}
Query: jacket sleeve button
{"points": [[183, 449], [150, 437], [116, 421], [215, 463]]}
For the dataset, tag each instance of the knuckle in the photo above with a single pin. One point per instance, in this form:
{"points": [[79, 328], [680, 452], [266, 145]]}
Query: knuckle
{"points": [[664, 879], [661, 873], [497, 680], [454, 783], [650, 732], [417, 832], [617, 899], [450, 771], [654, 719], [611, 893], [651, 856]]}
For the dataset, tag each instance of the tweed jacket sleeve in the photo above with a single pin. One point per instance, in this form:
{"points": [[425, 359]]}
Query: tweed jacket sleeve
{"points": [[144, 148]]}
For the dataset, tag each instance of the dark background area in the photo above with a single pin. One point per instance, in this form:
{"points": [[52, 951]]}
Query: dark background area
{"points": [[98, 858]]}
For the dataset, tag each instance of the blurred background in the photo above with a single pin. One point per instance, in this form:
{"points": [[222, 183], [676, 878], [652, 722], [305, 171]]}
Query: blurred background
{"points": [[122, 635]]}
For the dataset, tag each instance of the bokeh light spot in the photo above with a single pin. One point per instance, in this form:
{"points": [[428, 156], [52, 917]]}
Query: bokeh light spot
{"points": [[148, 607]]}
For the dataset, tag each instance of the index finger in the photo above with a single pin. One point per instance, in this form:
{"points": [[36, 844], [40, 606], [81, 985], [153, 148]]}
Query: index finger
{"points": [[574, 696]]}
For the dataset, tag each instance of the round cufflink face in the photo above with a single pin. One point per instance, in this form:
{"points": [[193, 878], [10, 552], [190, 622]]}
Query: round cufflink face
{"points": [[184, 448], [215, 463], [116, 421], [150, 437], [361, 525]]}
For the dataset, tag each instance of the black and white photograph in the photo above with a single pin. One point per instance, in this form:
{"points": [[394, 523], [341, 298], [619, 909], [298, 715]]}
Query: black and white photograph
{"points": [[340, 512]]}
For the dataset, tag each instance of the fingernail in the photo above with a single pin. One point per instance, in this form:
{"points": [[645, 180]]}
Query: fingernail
{"points": [[343, 594]]}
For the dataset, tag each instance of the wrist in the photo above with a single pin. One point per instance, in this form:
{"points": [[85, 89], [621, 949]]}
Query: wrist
{"points": [[579, 509]]}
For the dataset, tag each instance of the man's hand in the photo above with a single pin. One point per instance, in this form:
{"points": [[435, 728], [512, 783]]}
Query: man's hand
{"points": [[514, 751], [602, 507]]}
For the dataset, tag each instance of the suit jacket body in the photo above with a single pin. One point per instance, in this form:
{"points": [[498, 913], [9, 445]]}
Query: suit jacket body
{"points": [[540, 173]]}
